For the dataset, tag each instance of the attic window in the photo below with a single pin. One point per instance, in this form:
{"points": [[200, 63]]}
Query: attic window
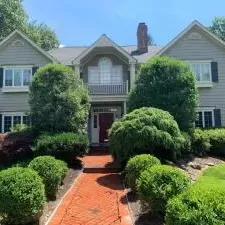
{"points": [[18, 43], [194, 36]]}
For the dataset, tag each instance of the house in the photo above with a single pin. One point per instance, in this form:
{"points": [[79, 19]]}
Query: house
{"points": [[108, 70]]}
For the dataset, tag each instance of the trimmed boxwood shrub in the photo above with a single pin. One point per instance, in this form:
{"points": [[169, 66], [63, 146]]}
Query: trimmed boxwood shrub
{"points": [[146, 130], [158, 184], [22, 195], [51, 171], [202, 204], [136, 165], [64, 146]]}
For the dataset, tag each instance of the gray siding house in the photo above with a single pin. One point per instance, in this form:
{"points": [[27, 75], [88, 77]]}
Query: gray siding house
{"points": [[108, 70]]}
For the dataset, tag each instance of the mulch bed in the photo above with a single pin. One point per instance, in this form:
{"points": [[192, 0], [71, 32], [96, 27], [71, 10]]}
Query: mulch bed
{"points": [[67, 183]]}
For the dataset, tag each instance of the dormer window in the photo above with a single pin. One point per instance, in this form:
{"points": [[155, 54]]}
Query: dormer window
{"points": [[105, 72]]}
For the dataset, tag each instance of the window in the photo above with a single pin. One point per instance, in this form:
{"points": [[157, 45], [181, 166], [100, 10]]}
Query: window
{"points": [[105, 73], [17, 77], [202, 71], [12, 119], [205, 118]]}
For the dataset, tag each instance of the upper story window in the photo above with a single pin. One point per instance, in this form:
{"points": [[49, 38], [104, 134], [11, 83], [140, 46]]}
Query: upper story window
{"points": [[17, 78], [105, 73], [202, 71]]}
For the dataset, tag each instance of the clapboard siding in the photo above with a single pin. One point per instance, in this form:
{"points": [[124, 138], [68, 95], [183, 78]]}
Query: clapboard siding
{"points": [[18, 55], [204, 49]]}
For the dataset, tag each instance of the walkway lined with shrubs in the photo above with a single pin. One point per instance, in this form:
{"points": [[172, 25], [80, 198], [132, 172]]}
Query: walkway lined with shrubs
{"points": [[95, 197]]}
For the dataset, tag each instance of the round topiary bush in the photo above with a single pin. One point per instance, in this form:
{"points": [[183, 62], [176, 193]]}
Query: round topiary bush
{"points": [[158, 184], [22, 195], [146, 130], [136, 165], [202, 204], [51, 172]]}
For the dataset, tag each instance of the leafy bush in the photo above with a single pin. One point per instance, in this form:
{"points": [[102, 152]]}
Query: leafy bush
{"points": [[203, 203], [136, 165], [63, 168], [158, 184], [16, 146], [146, 130], [59, 101], [64, 146], [200, 142], [51, 171], [21, 195], [168, 84]]}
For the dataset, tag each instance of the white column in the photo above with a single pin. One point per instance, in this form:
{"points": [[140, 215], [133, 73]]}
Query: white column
{"points": [[77, 69], [132, 74], [124, 107]]}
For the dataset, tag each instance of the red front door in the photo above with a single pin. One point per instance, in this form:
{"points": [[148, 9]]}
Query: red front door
{"points": [[105, 122]]}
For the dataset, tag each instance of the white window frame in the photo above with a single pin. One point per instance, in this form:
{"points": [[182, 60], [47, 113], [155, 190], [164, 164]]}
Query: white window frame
{"points": [[207, 109], [203, 83], [11, 114], [22, 87], [98, 71]]}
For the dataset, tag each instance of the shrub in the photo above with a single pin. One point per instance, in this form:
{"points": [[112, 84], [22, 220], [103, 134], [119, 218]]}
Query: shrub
{"points": [[136, 165], [168, 84], [158, 184], [21, 195], [16, 146], [203, 204], [200, 142], [63, 168], [145, 130], [59, 101], [64, 146], [51, 171]]}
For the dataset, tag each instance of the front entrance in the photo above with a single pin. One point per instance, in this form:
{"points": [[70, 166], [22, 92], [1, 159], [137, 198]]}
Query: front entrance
{"points": [[105, 122]]}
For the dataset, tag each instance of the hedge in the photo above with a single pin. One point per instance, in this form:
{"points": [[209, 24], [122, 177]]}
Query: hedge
{"points": [[22, 195], [136, 165], [64, 146]]}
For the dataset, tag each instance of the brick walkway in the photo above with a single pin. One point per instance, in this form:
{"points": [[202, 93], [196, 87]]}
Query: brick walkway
{"points": [[95, 198]]}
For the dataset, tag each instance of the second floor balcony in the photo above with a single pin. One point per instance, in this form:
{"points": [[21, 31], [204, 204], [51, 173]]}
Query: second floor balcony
{"points": [[108, 89]]}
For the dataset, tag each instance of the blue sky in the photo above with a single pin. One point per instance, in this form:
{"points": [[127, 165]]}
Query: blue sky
{"points": [[81, 22]]}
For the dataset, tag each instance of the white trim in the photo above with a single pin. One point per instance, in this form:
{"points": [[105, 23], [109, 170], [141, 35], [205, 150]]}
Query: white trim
{"points": [[206, 109], [185, 31], [104, 39], [31, 43]]}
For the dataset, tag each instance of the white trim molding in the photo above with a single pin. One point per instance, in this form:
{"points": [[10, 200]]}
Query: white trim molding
{"points": [[206, 109]]}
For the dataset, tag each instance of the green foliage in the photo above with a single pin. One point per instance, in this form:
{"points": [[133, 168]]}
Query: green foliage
{"points": [[64, 146], [167, 84], [218, 27], [200, 142], [19, 128], [136, 165], [51, 171], [158, 184], [148, 130], [58, 99], [42, 35], [203, 202], [22, 195]]}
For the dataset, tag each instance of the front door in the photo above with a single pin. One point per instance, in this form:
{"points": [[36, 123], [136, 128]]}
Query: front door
{"points": [[105, 122]]}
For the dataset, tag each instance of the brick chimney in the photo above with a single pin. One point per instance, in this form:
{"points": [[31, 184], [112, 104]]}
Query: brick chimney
{"points": [[142, 38]]}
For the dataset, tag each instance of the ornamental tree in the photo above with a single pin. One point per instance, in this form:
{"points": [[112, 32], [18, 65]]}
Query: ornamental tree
{"points": [[58, 100], [168, 84]]}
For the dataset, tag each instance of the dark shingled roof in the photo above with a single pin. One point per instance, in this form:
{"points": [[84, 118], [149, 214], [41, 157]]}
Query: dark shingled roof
{"points": [[66, 55]]}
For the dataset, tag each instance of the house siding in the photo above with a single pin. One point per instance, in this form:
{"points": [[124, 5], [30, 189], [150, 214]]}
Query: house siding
{"points": [[24, 54], [204, 49]]}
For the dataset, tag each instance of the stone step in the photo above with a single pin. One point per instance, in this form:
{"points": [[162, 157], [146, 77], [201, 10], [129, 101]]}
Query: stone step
{"points": [[101, 170]]}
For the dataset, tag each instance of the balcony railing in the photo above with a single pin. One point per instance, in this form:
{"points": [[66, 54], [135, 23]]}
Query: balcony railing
{"points": [[108, 89]]}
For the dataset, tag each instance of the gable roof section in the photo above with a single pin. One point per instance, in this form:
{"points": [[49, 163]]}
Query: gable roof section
{"points": [[195, 23], [43, 52], [104, 41]]}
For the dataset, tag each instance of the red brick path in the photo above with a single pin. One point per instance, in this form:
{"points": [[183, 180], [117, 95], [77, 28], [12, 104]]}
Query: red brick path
{"points": [[94, 199]]}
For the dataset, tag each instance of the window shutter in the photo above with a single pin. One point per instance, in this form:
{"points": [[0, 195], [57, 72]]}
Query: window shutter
{"points": [[217, 117], [1, 77], [0, 123], [214, 69], [34, 70]]}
